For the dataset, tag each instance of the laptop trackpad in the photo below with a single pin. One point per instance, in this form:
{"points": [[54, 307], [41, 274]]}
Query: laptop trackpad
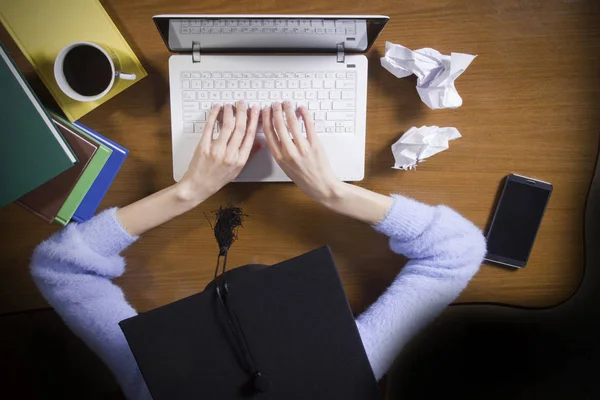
{"points": [[261, 166]]}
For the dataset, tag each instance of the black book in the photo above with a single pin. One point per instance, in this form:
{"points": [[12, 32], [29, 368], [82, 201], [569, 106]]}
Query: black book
{"points": [[290, 321]]}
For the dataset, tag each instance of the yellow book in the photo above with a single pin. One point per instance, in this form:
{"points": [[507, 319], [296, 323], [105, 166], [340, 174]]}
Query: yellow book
{"points": [[41, 28]]}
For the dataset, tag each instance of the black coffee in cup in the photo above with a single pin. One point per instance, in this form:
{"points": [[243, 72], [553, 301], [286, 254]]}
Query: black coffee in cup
{"points": [[87, 70]]}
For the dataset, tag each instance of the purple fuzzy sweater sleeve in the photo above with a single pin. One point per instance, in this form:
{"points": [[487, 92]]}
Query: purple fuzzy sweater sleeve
{"points": [[74, 271], [445, 251]]}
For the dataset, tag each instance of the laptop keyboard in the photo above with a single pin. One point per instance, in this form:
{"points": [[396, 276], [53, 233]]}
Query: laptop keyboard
{"points": [[329, 96], [236, 26]]}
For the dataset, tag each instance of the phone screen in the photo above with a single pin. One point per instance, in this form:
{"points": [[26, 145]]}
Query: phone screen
{"points": [[517, 219]]}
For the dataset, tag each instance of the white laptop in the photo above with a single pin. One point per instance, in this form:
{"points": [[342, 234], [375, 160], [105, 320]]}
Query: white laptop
{"points": [[311, 60]]}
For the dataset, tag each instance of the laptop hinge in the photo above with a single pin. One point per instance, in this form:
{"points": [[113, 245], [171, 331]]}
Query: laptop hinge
{"points": [[196, 52], [341, 55]]}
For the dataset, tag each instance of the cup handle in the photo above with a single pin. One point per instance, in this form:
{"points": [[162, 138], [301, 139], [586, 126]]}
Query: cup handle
{"points": [[127, 77]]}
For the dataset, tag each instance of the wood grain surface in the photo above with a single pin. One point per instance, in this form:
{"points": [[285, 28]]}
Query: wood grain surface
{"points": [[531, 102]]}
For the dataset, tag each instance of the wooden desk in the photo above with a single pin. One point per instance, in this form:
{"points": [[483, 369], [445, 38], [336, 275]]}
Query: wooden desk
{"points": [[530, 106]]}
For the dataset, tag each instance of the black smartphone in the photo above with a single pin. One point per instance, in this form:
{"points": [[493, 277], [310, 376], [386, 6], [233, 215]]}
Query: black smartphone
{"points": [[516, 220]]}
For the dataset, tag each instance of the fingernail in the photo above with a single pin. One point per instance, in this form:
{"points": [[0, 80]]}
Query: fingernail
{"points": [[276, 105], [241, 103], [228, 106], [287, 103]]}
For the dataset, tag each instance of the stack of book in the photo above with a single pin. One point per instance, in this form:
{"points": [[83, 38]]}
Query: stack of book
{"points": [[56, 169]]}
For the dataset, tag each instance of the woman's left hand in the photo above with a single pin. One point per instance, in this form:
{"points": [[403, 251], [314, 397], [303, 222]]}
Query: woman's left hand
{"points": [[217, 162]]}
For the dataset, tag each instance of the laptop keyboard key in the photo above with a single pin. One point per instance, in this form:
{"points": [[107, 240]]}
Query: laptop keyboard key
{"points": [[188, 127], [343, 105], [348, 94], [194, 116], [189, 95], [191, 106], [344, 84], [340, 116], [199, 127]]}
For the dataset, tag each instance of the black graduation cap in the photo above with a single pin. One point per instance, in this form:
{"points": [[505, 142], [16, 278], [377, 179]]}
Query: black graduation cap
{"points": [[284, 331]]}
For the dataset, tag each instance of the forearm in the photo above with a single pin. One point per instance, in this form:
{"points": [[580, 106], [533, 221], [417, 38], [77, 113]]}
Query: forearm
{"points": [[358, 203], [445, 251], [158, 208]]}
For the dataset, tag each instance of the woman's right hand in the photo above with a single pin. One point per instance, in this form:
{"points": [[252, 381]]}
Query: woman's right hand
{"points": [[303, 159]]}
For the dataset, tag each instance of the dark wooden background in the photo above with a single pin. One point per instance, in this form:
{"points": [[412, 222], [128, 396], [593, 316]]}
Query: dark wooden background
{"points": [[531, 106]]}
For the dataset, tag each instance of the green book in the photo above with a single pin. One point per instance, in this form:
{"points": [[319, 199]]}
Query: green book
{"points": [[32, 151], [87, 177]]}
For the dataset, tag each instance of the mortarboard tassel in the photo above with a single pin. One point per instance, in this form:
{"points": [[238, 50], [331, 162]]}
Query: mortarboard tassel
{"points": [[228, 220]]}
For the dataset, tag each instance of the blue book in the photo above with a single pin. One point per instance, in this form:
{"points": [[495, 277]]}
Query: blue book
{"points": [[94, 196]]}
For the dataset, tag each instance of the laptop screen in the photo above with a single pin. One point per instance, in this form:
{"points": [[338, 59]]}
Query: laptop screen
{"points": [[269, 33]]}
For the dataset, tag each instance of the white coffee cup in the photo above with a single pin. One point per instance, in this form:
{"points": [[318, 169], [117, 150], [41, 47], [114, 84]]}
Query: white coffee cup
{"points": [[112, 59]]}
